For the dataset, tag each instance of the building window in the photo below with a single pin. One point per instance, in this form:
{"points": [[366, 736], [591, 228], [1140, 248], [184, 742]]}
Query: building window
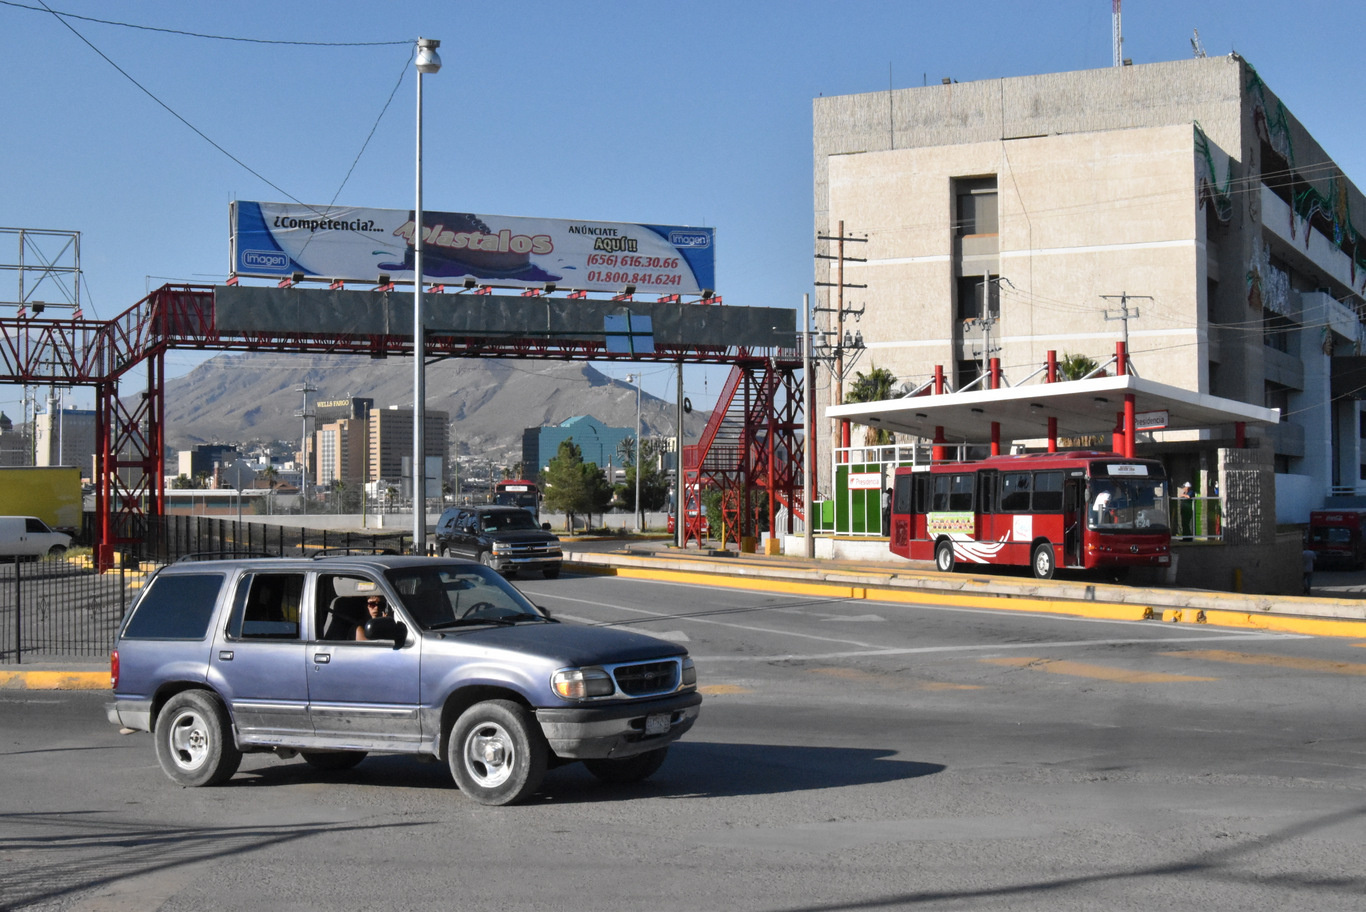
{"points": [[976, 206], [1278, 397], [1276, 330]]}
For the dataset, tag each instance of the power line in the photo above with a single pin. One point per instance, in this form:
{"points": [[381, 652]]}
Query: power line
{"points": [[169, 31]]}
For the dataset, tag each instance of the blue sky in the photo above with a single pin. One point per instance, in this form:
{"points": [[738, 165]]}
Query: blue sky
{"points": [[693, 113]]}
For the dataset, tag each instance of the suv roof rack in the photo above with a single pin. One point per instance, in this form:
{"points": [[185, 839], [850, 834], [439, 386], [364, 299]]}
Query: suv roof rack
{"points": [[352, 552], [223, 555]]}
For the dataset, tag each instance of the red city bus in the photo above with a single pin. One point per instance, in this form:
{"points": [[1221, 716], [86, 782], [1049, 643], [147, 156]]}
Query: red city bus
{"points": [[1078, 509], [518, 492]]}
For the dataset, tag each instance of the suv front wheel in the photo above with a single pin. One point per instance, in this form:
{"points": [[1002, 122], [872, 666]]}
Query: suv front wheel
{"points": [[194, 740], [497, 755]]}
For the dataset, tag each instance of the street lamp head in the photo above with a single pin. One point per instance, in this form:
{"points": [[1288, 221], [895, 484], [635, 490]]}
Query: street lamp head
{"points": [[428, 60]]}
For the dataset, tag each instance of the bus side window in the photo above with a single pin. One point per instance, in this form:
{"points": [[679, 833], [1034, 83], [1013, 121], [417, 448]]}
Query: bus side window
{"points": [[940, 502], [921, 492], [1048, 492], [960, 493], [1015, 492], [901, 494]]}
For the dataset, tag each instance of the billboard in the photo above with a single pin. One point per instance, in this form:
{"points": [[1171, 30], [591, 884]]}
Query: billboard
{"points": [[276, 240]]}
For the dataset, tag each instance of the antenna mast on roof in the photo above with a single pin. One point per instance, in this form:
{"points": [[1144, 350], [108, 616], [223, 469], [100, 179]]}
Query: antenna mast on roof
{"points": [[1118, 36], [1196, 46]]}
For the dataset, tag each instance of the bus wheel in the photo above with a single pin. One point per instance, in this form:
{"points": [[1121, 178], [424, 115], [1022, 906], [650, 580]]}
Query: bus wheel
{"points": [[1043, 562], [943, 556]]}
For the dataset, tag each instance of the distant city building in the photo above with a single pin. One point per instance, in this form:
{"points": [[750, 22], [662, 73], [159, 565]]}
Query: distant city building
{"points": [[597, 442], [204, 459], [14, 445], [66, 437], [390, 445]]}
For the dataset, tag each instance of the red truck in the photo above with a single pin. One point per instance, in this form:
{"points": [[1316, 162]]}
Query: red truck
{"points": [[1336, 536]]}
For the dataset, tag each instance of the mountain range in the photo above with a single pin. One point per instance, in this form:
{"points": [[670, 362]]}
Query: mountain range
{"points": [[240, 398]]}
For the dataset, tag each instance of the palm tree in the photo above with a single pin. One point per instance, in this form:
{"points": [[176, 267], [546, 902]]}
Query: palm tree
{"points": [[874, 386], [1074, 367]]}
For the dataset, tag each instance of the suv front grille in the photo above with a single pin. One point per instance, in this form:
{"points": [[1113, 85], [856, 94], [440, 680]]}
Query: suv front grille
{"points": [[647, 678]]}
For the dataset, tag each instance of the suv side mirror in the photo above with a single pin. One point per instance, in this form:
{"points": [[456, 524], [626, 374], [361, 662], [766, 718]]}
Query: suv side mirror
{"points": [[386, 628]]}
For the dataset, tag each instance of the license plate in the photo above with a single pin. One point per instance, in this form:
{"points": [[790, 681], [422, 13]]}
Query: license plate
{"points": [[657, 724]]}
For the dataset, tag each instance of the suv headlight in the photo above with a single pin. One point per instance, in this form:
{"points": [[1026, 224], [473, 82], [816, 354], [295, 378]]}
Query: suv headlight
{"points": [[689, 675], [582, 683]]}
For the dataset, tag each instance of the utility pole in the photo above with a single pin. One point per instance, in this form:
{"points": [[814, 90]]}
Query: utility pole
{"points": [[839, 310], [305, 414], [986, 321], [1124, 315]]}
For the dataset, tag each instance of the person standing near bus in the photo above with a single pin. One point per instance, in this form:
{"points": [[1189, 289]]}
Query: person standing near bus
{"points": [[1185, 509]]}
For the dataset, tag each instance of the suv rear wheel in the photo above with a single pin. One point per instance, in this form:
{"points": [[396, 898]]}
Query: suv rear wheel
{"points": [[497, 755], [194, 740]]}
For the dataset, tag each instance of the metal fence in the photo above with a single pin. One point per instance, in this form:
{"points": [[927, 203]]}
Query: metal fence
{"points": [[58, 608], [65, 608]]}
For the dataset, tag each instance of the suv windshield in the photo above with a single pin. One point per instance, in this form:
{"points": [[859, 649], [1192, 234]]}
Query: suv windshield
{"points": [[447, 596], [510, 521]]}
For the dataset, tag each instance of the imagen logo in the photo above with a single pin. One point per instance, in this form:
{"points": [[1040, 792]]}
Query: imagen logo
{"points": [[264, 259], [690, 238]]}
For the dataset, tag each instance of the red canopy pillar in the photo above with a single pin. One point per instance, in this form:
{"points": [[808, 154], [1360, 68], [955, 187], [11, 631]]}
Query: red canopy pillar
{"points": [[1130, 425]]}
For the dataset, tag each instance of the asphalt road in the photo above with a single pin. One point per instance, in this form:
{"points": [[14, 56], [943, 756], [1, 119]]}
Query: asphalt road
{"points": [[850, 755]]}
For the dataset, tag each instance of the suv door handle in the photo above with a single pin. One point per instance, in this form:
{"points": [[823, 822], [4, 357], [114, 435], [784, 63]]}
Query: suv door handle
{"points": [[322, 658]]}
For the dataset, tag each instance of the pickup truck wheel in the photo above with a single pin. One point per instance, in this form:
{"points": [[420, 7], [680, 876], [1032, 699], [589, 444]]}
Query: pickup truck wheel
{"points": [[497, 755], [332, 761], [194, 740], [628, 769], [486, 558]]}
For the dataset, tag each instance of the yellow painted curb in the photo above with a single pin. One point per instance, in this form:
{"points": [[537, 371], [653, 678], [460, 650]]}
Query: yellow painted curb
{"points": [[1103, 610], [54, 680]]}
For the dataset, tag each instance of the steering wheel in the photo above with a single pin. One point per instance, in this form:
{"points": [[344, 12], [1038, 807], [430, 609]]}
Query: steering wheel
{"points": [[480, 608]]}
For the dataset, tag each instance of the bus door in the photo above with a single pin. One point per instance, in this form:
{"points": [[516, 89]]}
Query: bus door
{"points": [[987, 507], [902, 509], [1073, 520]]}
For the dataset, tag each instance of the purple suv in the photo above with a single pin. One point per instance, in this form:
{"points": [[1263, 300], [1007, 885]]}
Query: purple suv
{"points": [[335, 657]]}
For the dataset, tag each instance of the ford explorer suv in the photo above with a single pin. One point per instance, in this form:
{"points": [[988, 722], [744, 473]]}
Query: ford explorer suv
{"points": [[502, 537], [332, 658]]}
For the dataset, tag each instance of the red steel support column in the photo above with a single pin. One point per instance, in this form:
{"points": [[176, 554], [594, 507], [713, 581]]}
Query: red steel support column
{"points": [[1121, 359], [995, 371], [996, 438], [939, 379], [1052, 373], [1052, 433], [1239, 434], [1117, 435], [937, 452], [1130, 426]]}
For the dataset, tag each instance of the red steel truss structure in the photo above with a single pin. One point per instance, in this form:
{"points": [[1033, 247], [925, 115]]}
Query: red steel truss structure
{"points": [[762, 450], [751, 451]]}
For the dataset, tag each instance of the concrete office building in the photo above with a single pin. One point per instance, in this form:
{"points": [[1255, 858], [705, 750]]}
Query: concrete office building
{"points": [[596, 441], [1007, 218], [66, 437]]}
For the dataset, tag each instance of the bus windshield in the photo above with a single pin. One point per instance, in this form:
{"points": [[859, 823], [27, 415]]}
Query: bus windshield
{"points": [[1127, 505]]}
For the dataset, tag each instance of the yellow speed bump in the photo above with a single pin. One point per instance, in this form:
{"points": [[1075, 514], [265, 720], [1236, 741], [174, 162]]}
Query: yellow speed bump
{"points": [[54, 680]]}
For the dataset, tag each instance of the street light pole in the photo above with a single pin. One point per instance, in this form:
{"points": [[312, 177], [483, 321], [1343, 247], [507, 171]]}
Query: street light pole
{"points": [[640, 514], [428, 61]]}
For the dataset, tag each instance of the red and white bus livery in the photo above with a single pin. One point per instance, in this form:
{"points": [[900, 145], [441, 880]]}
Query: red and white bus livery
{"points": [[1080, 510]]}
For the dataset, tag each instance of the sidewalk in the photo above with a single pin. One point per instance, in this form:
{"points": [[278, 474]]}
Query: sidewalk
{"points": [[1338, 607]]}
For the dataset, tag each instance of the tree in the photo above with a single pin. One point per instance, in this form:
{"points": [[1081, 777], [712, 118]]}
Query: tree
{"points": [[1074, 367], [182, 482], [654, 485], [874, 386], [573, 486]]}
